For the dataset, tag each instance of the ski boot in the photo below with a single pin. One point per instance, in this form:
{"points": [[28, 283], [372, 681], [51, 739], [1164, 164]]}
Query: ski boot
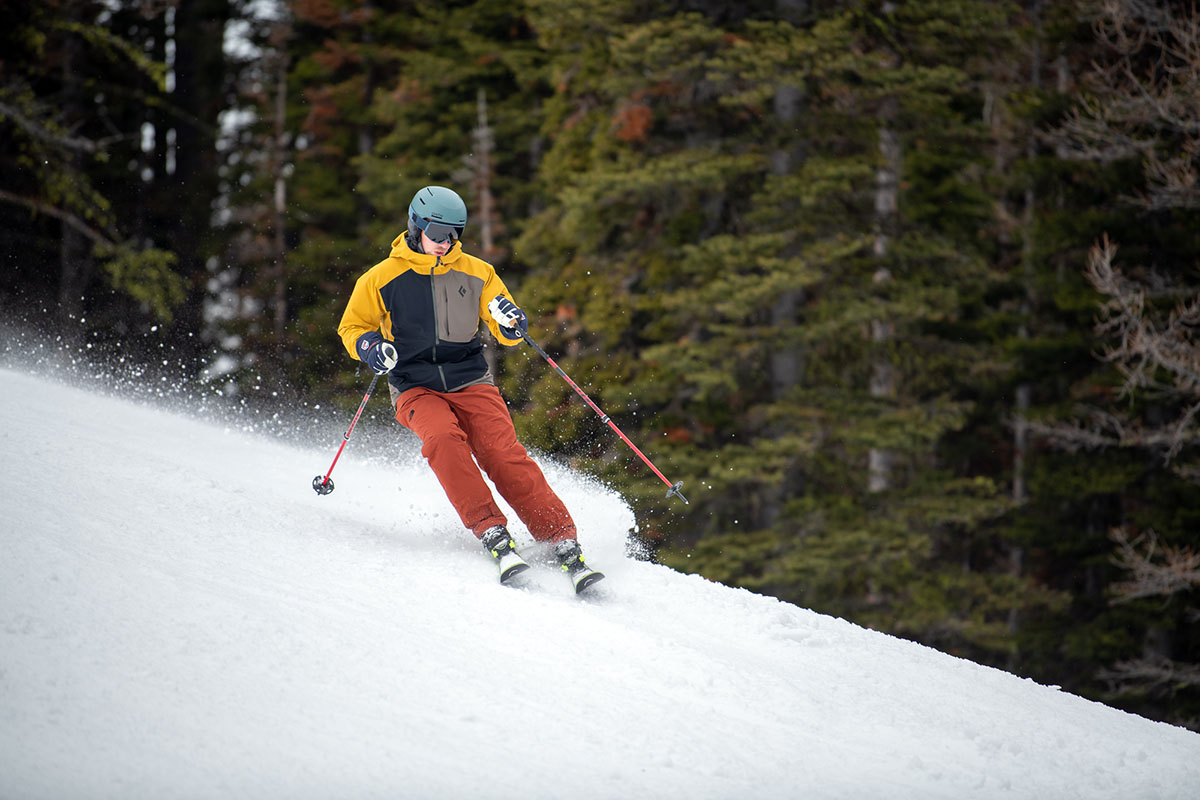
{"points": [[498, 542], [571, 558]]}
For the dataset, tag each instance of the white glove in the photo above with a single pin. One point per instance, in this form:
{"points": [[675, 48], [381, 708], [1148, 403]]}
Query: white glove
{"points": [[512, 320], [381, 357]]}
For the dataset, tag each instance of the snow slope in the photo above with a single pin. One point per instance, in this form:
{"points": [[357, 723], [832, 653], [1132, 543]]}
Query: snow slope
{"points": [[182, 616]]}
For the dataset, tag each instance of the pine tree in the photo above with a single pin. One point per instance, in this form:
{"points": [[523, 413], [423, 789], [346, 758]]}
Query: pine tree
{"points": [[381, 99], [75, 85], [718, 241], [1134, 123], [304, 226]]}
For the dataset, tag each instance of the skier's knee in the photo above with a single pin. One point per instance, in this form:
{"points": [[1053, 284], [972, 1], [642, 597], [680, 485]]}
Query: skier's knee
{"points": [[437, 440]]}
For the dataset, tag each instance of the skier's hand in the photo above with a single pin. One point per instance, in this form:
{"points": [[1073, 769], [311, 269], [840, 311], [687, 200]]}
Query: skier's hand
{"points": [[382, 357], [377, 353], [512, 320]]}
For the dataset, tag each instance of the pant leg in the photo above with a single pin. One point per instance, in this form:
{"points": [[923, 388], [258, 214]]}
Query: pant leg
{"points": [[444, 444], [484, 417]]}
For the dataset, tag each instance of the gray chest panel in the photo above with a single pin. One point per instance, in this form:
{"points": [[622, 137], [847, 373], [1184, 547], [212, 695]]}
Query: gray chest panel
{"points": [[456, 297]]}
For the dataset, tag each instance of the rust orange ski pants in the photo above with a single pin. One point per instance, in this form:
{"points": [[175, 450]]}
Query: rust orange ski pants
{"points": [[474, 421]]}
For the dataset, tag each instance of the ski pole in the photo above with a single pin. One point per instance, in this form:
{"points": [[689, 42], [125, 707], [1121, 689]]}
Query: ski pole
{"points": [[675, 487], [322, 485]]}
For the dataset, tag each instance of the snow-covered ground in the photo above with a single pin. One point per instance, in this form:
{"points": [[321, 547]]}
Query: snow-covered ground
{"points": [[182, 616]]}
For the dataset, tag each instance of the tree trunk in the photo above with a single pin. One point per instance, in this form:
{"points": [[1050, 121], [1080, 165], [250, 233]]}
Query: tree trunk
{"points": [[887, 203], [1024, 393], [279, 214], [482, 136], [786, 365], [76, 265], [481, 179], [199, 93]]}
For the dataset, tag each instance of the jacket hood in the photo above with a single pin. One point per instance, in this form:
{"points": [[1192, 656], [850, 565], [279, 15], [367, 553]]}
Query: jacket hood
{"points": [[423, 262]]}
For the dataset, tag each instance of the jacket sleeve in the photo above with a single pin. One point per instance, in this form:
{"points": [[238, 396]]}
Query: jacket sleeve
{"points": [[365, 313], [492, 287]]}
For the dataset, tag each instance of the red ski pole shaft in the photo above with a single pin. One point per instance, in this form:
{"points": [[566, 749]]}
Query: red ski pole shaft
{"points": [[324, 485], [675, 487]]}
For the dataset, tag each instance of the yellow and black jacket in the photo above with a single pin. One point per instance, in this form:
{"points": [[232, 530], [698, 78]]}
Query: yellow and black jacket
{"points": [[430, 308]]}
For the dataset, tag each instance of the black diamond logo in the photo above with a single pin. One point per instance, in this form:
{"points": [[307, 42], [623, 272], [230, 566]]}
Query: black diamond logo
{"points": [[462, 291]]}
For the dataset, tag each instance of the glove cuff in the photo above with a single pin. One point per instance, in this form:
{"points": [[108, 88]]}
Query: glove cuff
{"points": [[366, 342]]}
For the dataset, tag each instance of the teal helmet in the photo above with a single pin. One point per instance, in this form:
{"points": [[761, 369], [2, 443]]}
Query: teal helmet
{"points": [[439, 212]]}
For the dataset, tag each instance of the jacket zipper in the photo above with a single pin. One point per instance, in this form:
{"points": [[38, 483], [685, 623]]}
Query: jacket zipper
{"points": [[433, 297]]}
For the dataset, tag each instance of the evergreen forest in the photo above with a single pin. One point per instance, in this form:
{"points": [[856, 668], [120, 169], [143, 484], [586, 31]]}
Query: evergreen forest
{"points": [[904, 291]]}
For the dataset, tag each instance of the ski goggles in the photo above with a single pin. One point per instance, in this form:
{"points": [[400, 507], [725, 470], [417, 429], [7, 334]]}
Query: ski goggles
{"points": [[439, 232]]}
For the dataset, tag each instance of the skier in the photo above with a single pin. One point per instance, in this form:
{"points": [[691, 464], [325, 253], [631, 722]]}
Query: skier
{"points": [[415, 317]]}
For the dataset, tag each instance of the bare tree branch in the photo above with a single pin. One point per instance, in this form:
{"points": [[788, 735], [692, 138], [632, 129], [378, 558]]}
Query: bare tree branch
{"points": [[1095, 429], [1157, 358], [1141, 99], [1155, 569], [66, 216], [1149, 673], [41, 132]]}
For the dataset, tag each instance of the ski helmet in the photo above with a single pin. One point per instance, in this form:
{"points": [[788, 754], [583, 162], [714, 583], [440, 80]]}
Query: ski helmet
{"points": [[439, 212]]}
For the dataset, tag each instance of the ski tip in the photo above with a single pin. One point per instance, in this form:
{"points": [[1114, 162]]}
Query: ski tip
{"points": [[588, 581], [512, 572]]}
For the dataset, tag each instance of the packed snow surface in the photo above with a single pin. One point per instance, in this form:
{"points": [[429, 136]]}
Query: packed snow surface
{"points": [[181, 616]]}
